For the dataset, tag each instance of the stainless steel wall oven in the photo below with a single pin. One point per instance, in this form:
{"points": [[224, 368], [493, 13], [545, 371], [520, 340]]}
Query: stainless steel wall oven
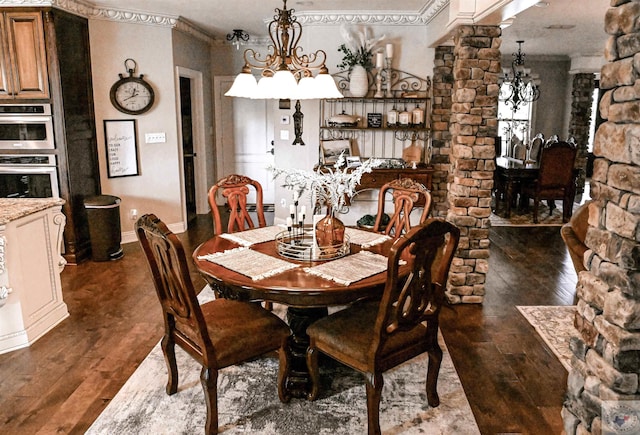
{"points": [[26, 127], [28, 176]]}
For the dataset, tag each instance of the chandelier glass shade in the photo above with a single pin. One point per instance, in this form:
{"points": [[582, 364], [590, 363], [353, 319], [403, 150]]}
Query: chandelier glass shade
{"points": [[518, 86], [285, 72]]}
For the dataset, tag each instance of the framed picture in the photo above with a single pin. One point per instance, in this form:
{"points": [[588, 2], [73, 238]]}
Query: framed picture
{"points": [[374, 120], [331, 150], [122, 147]]}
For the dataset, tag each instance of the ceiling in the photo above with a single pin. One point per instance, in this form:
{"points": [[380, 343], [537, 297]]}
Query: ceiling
{"points": [[586, 38]]}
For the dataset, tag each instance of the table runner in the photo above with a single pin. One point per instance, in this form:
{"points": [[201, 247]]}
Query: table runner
{"points": [[247, 262], [365, 239], [256, 235], [351, 268]]}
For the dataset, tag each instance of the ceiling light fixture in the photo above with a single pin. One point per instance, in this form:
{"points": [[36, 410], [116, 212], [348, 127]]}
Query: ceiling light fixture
{"points": [[237, 36], [286, 73], [518, 86]]}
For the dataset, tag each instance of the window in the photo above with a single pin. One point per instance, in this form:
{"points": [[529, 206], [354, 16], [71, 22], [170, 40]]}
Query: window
{"points": [[512, 122]]}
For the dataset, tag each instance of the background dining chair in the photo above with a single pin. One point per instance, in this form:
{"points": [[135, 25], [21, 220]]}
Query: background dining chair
{"points": [[236, 188], [375, 336], [407, 194], [536, 145], [217, 334], [556, 178]]}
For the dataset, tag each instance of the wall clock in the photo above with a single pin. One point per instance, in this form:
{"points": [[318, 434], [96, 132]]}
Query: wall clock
{"points": [[132, 95]]}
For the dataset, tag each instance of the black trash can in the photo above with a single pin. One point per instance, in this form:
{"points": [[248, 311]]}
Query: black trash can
{"points": [[103, 214]]}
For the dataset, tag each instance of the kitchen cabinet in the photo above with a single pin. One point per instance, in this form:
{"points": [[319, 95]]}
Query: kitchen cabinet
{"points": [[23, 59], [74, 126], [31, 302]]}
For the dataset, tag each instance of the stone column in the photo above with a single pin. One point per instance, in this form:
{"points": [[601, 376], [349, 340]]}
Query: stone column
{"points": [[582, 99], [440, 136], [473, 130], [604, 380]]}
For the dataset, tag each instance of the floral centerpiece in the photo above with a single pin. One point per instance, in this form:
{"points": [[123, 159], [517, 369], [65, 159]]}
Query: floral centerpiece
{"points": [[330, 185]]}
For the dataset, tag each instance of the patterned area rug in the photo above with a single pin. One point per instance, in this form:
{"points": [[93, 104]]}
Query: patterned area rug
{"points": [[555, 325], [248, 401], [522, 218]]}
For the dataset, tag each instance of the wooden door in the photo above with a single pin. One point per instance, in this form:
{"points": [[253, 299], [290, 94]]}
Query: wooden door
{"points": [[244, 135], [27, 61]]}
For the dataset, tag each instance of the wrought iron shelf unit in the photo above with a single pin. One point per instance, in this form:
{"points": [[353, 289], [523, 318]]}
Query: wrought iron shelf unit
{"points": [[372, 135]]}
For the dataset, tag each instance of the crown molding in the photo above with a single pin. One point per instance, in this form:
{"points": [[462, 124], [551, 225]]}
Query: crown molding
{"points": [[87, 10], [389, 18]]}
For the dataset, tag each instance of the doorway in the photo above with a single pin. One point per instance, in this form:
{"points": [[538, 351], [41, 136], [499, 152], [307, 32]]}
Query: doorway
{"points": [[191, 142], [188, 154], [244, 138]]}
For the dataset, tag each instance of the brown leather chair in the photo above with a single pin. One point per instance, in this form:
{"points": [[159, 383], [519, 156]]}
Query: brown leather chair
{"points": [[556, 178], [236, 188], [375, 336], [574, 234], [406, 195], [217, 334]]}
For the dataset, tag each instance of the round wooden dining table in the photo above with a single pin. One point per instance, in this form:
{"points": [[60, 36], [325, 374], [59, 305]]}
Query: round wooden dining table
{"points": [[307, 296]]}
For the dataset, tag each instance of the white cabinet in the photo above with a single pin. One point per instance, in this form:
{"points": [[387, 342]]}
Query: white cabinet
{"points": [[30, 271]]}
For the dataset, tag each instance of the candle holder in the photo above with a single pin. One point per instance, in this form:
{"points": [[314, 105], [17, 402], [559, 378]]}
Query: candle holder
{"points": [[387, 63], [379, 93]]}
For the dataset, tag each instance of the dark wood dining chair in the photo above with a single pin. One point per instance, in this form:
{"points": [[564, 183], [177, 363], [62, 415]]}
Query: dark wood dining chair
{"points": [[217, 334], [236, 188], [375, 336], [407, 194], [556, 178]]}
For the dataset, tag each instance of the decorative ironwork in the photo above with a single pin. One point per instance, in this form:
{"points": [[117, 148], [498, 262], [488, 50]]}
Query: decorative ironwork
{"points": [[400, 84], [236, 36], [521, 87]]}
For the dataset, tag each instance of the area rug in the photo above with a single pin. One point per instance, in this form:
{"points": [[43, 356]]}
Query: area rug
{"points": [[248, 401], [555, 325], [522, 218]]}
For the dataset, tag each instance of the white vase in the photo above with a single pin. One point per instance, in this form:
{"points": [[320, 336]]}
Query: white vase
{"points": [[358, 81]]}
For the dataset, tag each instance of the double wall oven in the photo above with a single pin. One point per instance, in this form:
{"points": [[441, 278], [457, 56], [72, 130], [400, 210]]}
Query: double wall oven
{"points": [[27, 152]]}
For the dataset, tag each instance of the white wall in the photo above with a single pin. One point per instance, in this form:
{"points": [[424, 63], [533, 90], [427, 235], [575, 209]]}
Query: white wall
{"points": [[157, 188]]}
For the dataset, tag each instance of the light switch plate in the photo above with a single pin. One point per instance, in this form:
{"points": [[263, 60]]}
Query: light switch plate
{"points": [[155, 137], [284, 134]]}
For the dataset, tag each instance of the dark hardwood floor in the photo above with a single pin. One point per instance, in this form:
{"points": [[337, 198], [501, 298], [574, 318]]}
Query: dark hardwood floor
{"points": [[513, 382]]}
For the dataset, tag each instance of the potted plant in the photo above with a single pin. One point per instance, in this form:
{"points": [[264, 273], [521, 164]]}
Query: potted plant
{"points": [[358, 52]]}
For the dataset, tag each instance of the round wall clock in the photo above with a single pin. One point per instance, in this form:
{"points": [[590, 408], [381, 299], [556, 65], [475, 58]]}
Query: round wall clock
{"points": [[132, 95]]}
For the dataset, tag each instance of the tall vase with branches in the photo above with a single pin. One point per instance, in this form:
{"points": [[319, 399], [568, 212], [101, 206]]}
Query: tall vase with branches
{"points": [[358, 53]]}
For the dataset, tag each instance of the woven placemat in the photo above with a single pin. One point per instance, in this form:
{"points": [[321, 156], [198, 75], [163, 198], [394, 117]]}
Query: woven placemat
{"points": [[251, 237], [247, 262]]}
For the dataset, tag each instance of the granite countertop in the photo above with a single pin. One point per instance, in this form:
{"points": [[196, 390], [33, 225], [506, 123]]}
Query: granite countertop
{"points": [[12, 209]]}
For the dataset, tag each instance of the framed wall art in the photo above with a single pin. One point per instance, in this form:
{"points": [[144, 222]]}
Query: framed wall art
{"points": [[122, 147]]}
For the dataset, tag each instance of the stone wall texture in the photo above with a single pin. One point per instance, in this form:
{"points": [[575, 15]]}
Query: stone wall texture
{"points": [[473, 127], [440, 135], [581, 102], [606, 355]]}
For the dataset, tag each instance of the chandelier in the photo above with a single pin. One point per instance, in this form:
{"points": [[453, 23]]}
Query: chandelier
{"points": [[285, 72], [518, 86]]}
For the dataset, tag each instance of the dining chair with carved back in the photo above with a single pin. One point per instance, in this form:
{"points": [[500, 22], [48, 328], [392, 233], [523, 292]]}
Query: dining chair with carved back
{"points": [[216, 334], [374, 336], [236, 189], [556, 178], [407, 194]]}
